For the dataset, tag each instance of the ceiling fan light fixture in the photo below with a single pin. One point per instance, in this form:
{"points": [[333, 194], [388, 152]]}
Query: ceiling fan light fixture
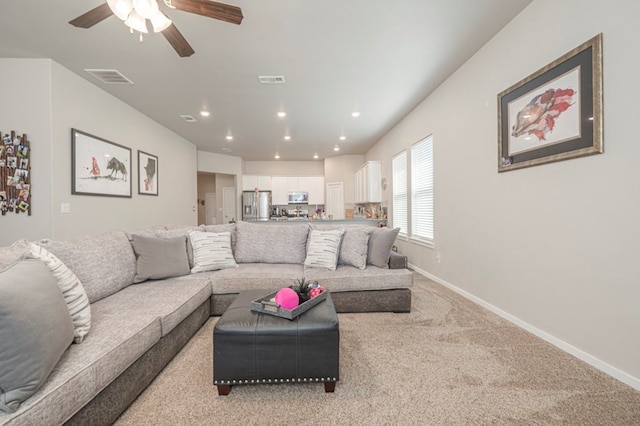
{"points": [[146, 8], [160, 22], [121, 8], [136, 22]]}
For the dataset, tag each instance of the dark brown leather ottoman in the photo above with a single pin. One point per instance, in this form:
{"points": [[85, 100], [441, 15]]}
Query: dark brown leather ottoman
{"points": [[250, 347]]}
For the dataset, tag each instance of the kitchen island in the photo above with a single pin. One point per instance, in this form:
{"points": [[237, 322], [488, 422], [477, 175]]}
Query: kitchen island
{"points": [[363, 222]]}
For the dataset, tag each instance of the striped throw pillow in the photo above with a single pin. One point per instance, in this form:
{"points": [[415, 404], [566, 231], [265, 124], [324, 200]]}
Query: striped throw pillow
{"points": [[323, 249], [211, 251], [74, 294]]}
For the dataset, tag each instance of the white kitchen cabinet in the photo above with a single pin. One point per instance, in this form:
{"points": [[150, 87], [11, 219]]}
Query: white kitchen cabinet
{"points": [[367, 180], [279, 190], [251, 182], [281, 186], [316, 190]]}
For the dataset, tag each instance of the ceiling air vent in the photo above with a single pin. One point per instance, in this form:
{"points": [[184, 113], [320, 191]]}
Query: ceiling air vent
{"points": [[271, 79], [188, 118], [109, 76]]}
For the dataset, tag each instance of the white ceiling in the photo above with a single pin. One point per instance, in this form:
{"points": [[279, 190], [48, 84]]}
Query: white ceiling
{"points": [[380, 58]]}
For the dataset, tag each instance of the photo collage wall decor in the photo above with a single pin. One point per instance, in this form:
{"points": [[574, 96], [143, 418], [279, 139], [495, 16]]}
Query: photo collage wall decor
{"points": [[15, 173]]}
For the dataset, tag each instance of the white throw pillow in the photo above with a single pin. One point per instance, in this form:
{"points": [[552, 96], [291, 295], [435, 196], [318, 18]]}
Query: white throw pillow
{"points": [[74, 294], [211, 251], [323, 249]]}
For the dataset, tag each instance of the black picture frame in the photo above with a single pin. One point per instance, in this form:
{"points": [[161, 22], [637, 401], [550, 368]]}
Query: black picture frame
{"points": [[148, 178], [99, 167], [555, 113]]}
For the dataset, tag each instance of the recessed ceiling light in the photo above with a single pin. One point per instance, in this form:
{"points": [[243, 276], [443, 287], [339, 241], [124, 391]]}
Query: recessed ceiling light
{"points": [[337, 148], [277, 156], [287, 138], [205, 113], [282, 114], [343, 138], [229, 137], [315, 156], [355, 114]]}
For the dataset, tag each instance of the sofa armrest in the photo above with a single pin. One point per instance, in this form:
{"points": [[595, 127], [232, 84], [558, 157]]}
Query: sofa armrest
{"points": [[397, 261]]}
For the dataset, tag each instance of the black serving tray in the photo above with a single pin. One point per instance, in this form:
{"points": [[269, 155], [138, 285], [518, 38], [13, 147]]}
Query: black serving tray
{"points": [[266, 306]]}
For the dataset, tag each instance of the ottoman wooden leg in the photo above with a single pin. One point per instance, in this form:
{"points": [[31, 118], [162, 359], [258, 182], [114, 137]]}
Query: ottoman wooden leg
{"points": [[224, 390], [329, 386]]}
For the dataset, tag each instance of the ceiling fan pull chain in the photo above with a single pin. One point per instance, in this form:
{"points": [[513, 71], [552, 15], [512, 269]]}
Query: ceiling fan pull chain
{"points": [[140, 37]]}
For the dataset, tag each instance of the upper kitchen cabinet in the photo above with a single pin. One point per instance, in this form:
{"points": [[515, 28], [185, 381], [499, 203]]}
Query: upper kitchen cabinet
{"points": [[316, 190], [281, 186], [367, 178], [279, 190], [251, 182]]}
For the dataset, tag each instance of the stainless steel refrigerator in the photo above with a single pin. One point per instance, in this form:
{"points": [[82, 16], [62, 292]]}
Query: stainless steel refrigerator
{"points": [[256, 205]]}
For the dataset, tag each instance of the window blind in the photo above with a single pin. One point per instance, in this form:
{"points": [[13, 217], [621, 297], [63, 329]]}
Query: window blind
{"points": [[400, 195], [422, 189]]}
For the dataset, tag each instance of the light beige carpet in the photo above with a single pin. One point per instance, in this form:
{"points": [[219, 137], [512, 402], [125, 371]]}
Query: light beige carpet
{"points": [[447, 362]]}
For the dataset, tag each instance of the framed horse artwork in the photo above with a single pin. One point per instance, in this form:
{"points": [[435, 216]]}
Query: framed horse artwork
{"points": [[99, 167]]}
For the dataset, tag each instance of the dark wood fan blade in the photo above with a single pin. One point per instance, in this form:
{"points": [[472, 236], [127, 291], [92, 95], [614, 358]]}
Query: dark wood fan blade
{"points": [[178, 42], [210, 9], [92, 17]]}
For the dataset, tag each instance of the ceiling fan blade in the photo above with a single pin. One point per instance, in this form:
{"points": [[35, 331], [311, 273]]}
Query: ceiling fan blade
{"points": [[210, 9], [92, 17], [178, 42]]}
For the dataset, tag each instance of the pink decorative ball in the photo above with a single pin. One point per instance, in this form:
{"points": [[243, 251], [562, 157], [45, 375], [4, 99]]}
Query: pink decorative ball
{"points": [[287, 298]]}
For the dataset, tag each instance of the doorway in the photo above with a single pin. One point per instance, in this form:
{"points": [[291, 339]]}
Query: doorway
{"points": [[335, 200], [216, 198]]}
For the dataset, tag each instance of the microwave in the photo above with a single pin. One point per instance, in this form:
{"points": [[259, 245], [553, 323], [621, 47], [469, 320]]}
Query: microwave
{"points": [[298, 198]]}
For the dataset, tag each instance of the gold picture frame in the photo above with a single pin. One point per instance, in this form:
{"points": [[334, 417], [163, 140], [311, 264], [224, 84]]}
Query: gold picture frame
{"points": [[554, 114]]}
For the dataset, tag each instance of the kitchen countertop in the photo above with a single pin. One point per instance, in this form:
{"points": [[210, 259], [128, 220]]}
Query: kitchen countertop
{"points": [[370, 222]]}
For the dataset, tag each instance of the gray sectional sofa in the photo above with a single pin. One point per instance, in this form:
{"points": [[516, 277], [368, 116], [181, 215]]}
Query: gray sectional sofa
{"points": [[143, 310]]}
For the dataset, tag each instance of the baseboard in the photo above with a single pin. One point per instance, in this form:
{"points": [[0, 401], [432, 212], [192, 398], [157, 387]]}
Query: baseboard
{"points": [[612, 371]]}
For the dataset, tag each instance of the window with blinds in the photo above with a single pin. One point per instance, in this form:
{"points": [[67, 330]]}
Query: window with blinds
{"points": [[400, 195], [422, 190]]}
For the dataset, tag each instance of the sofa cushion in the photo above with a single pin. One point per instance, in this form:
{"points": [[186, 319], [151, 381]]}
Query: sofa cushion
{"points": [[211, 251], [35, 330], [349, 278], [158, 258], [323, 248], [268, 243], [253, 275], [170, 300], [380, 244], [355, 243], [72, 290], [104, 263], [118, 338]]}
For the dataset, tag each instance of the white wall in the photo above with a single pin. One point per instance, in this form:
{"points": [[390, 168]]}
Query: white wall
{"points": [[25, 86], [78, 104], [45, 100], [552, 247], [284, 168], [342, 169]]}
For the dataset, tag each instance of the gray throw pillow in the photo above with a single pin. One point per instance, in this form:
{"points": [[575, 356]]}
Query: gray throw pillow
{"points": [[35, 330], [355, 246], [380, 244], [158, 258], [323, 249]]}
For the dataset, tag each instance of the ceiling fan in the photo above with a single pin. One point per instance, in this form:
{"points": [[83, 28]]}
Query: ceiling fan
{"points": [[135, 13]]}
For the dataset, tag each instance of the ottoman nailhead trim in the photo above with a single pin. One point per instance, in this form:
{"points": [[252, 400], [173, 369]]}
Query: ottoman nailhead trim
{"points": [[284, 380]]}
